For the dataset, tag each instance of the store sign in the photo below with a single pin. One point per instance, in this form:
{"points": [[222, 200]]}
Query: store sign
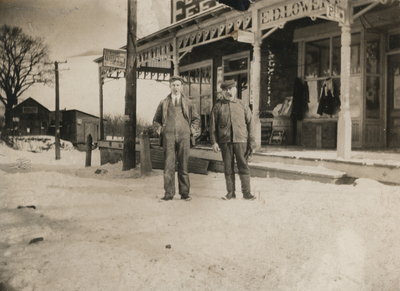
{"points": [[114, 58], [294, 9], [243, 36], [334, 12], [182, 9]]}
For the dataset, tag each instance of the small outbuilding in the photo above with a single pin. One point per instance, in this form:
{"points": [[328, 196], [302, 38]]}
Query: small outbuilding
{"points": [[31, 118], [77, 125]]}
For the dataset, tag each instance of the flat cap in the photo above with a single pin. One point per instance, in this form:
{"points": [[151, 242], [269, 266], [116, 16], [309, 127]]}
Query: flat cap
{"points": [[176, 78], [228, 84]]}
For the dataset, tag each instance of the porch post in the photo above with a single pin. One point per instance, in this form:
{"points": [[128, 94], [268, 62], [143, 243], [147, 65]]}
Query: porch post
{"points": [[255, 77], [175, 57], [344, 121], [101, 82], [255, 91]]}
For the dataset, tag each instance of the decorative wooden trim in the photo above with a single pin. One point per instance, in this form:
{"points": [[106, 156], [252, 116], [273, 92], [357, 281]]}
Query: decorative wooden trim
{"points": [[197, 65], [214, 32]]}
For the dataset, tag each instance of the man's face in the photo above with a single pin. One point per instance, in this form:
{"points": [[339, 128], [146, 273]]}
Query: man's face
{"points": [[231, 93], [176, 87]]}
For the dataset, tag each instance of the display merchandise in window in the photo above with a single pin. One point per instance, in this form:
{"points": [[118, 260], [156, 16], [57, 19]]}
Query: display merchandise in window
{"points": [[329, 101]]}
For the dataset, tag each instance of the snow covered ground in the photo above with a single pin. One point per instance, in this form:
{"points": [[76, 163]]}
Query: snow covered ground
{"points": [[39, 150], [108, 231]]}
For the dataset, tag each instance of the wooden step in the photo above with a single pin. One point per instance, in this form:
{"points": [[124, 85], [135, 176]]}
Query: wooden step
{"points": [[299, 172]]}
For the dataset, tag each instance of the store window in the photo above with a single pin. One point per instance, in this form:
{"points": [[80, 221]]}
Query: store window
{"points": [[236, 67], [372, 97], [336, 53], [394, 41], [323, 62], [317, 58], [29, 109], [373, 76], [198, 87], [372, 56]]}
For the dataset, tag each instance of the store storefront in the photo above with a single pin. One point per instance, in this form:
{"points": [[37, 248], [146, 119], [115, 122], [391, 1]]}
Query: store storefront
{"points": [[372, 82], [316, 73]]}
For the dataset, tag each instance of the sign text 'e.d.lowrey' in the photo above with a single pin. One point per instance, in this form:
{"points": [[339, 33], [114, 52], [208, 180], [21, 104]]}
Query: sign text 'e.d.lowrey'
{"points": [[292, 10]]}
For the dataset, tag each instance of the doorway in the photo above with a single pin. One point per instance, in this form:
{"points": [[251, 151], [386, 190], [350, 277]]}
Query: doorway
{"points": [[393, 101]]}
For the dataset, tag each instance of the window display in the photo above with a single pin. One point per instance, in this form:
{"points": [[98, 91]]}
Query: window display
{"points": [[336, 56], [323, 61], [317, 58], [372, 57]]}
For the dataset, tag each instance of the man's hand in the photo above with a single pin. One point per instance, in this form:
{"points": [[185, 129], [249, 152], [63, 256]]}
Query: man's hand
{"points": [[215, 148], [157, 128], [250, 150]]}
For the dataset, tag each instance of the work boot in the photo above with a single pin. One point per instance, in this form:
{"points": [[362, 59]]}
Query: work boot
{"points": [[186, 197], [166, 198], [229, 196], [249, 196]]}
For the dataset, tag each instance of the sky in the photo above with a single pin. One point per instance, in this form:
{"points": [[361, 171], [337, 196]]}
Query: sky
{"points": [[76, 31]]}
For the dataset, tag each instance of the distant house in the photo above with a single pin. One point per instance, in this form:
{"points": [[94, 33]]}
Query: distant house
{"points": [[77, 125], [31, 118]]}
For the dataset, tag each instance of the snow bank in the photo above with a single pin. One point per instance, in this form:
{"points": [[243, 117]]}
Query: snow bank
{"points": [[39, 143], [41, 151]]}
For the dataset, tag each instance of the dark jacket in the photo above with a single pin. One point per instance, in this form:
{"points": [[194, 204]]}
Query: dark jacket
{"points": [[231, 121], [189, 112], [300, 99], [329, 103]]}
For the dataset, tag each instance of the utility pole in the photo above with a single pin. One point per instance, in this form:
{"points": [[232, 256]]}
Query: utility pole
{"points": [[57, 119], [129, 151], [101, 83], [57, 111]]}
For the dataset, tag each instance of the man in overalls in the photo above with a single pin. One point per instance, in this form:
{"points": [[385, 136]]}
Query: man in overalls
{"points": [[178, 119], [232, 134]]}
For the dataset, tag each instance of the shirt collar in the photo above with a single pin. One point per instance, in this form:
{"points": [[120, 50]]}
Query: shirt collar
{"points": [[227, 100], [175, 96]]}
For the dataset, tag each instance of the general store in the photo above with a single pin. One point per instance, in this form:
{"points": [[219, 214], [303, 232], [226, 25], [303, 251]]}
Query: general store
{"points": [[316, 73]]}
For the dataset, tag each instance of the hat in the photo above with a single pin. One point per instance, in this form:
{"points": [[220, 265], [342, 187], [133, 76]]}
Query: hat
{"points": [[176, 78], [228, 84]]}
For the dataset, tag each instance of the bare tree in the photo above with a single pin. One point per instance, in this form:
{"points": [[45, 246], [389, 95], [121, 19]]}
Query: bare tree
{"points": [[114, 125], [22, 63]]}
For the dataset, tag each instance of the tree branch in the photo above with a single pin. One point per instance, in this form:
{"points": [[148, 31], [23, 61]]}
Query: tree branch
{"points": [[4, 100], [22, 57]]}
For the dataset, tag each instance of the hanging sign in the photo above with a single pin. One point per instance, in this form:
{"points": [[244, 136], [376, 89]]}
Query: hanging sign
{"points": [[182, 9], [114, 58], [243, 36]]}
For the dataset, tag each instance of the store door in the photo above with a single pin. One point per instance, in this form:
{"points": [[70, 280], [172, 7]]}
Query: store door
{"points": [[393, 101]]}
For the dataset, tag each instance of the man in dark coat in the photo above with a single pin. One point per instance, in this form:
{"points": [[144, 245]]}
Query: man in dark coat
{"points": [[232, 134], [176, 119]]}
